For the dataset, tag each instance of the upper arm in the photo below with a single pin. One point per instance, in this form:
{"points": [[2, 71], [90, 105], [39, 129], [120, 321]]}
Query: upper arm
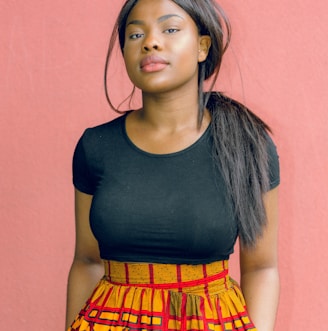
{"points": [[265, 253], [86, 245]]}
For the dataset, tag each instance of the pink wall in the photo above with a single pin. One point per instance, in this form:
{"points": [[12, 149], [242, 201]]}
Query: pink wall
{"points": [[51, 65]]}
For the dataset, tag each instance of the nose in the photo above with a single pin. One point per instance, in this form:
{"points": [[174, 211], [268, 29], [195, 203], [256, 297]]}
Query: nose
{"points": [[151, 42], [148, 48]]}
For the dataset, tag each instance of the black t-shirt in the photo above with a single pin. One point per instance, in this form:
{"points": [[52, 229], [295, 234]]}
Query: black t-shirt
{"points": [[167, 208]]}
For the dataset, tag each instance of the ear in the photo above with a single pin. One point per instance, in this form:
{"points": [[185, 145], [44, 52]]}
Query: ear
{"points": [[204, 47]]}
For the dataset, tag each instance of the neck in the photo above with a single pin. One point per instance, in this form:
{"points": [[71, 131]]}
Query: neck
{"points": [[169, 111]]}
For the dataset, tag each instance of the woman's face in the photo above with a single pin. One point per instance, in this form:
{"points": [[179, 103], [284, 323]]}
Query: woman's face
{"points": [[162, 47]]}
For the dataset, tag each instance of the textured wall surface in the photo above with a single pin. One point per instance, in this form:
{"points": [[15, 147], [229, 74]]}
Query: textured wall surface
{"points": [[51, 64]]}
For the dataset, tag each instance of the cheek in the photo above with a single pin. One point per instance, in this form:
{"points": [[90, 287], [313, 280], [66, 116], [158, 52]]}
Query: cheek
{"points": [[131, 67], [187, 46], [187, 55], [129, 58]]}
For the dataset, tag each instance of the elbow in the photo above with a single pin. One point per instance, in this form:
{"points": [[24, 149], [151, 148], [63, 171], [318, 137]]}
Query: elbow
{"points": [[267, 276], [267, 270], [87, 260]]}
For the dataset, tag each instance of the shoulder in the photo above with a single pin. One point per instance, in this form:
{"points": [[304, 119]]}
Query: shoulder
{"points": [[273, 162], [272, 148], [92, 151], [105, 130], [96, 140]]}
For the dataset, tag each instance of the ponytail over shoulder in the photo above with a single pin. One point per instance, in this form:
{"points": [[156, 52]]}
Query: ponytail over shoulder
{"points": [[240, 151]]}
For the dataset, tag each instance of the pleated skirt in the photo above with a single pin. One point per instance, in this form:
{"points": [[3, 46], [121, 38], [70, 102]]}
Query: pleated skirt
{"points": [[170, 297]]}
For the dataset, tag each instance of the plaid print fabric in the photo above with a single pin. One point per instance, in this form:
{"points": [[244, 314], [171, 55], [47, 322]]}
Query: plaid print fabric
{"points": [[170, 297]]}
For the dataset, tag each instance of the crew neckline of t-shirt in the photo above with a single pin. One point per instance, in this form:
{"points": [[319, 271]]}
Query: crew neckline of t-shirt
{"points": [[177, 153]]}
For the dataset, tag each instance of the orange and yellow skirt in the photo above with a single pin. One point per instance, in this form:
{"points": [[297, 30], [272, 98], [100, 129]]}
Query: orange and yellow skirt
{"points": [[169, 297]]}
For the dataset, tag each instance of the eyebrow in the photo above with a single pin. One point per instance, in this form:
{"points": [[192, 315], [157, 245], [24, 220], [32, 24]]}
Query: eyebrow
{"points": [[159, 20]]}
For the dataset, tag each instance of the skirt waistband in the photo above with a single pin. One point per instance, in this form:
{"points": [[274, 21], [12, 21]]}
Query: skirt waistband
{"points": [[165, 275]]}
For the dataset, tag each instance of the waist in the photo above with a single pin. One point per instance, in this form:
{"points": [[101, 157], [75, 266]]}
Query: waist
{"points": [[166, 275]]}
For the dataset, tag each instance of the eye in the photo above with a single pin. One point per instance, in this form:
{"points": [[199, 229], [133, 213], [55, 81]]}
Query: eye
{"points": [[171, 30], [135, 35]]}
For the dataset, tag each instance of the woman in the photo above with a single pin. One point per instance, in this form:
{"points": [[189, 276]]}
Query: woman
{"points": [[170, 187]]}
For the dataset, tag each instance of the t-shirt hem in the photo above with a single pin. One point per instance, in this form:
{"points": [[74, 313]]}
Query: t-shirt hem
{"points": [[83, 189], [274, 184]]}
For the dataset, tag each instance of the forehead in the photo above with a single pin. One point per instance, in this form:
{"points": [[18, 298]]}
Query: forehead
{"points": [[154, 9]]}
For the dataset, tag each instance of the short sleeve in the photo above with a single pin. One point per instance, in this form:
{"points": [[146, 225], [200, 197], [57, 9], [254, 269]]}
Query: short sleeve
{"points": [[274, 168], [83, 179]]}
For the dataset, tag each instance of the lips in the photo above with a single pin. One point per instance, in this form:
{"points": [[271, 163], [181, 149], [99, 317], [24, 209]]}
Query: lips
{"points": [[153, 63]]}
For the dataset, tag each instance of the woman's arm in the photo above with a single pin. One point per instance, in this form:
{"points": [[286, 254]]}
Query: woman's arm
{"points": [[259, 270], [87, 267]]}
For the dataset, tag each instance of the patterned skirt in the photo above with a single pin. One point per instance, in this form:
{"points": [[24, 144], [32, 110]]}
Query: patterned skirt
{"points": [[170, 297]]}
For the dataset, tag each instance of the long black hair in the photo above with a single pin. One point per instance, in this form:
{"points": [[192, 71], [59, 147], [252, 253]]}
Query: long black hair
{"points": [[239, 136]]}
